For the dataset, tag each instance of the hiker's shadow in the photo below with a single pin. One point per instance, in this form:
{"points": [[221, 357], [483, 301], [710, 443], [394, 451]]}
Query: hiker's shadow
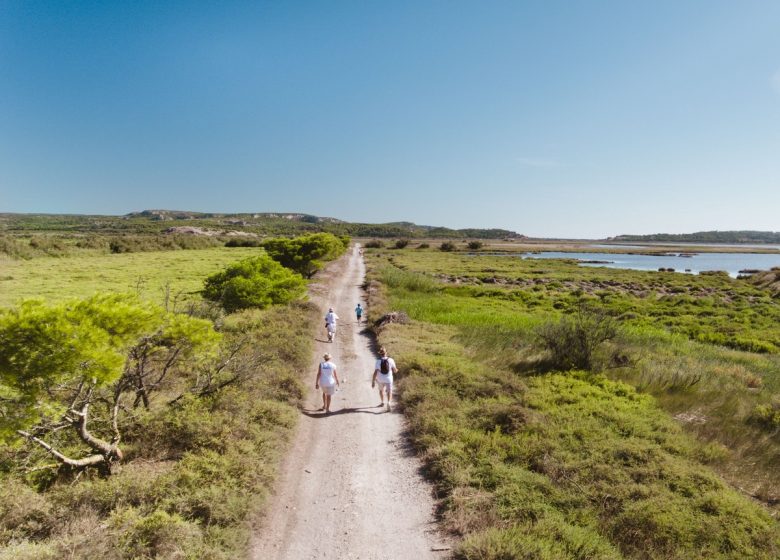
{"points": [[325, 340], [377, 409]]}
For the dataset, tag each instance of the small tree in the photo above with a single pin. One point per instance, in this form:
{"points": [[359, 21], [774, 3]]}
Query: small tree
{"points": [[474, 245], [306, 254], [254, 282], [67, 371], [401, 243], [572, 340]]}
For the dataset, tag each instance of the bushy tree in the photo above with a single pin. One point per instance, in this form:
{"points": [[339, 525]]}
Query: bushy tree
{"points": [[306, 254], [254, 282], [67, 371], [447, 246]]}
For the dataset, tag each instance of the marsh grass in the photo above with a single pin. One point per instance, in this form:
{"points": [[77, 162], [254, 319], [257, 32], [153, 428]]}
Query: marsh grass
{"points": [[561, 465]]}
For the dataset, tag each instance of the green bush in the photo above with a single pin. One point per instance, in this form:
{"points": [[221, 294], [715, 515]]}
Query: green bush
{"points": [[474, 245], [767, 415], [401, 243], [157, 535], [255, 282], [374, 244]]}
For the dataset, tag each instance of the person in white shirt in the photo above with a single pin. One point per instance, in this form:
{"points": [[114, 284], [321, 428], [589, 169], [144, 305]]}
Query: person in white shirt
{"points": [[327, 380], [330, 324], [383, 375]]}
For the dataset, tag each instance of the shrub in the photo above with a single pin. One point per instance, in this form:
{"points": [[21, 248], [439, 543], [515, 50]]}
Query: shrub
{"points": [[157, 535], [374, 244], [572, 340], [254, 282], [474, 245], [767, 415], [401, 243], [447, 246], [423, 246]]}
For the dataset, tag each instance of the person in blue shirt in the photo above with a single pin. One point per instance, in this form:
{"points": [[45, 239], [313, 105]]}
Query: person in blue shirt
{"points": [[358, 312]]}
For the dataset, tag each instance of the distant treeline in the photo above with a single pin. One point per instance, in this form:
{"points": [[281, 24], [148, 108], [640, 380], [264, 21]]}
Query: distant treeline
{"points": [[707, 237], [158, 221]]}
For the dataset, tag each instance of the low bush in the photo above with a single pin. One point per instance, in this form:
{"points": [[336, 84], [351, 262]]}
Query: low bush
{"points": [[374, 244], [474, 245], [401, 243], [254, 282]]}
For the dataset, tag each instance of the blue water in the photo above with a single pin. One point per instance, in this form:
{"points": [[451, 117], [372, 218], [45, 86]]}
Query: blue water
{"points": [[730, 262]]}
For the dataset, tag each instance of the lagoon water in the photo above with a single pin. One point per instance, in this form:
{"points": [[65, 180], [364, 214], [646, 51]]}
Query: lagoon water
{"points": [[730, 262]]}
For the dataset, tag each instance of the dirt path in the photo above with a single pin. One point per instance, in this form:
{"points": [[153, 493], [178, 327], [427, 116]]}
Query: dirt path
{"points": [[349, 489]]}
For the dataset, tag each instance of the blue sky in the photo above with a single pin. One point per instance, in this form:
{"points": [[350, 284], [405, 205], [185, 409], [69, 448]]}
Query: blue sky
{"points": [[551, 118]]}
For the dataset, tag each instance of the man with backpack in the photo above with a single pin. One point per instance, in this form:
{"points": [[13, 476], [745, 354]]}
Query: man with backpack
{"points": [[383, 374]]}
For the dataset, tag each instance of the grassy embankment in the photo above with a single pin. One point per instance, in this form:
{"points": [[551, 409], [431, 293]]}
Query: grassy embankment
{"points": [[544, 464], [195, 471]]}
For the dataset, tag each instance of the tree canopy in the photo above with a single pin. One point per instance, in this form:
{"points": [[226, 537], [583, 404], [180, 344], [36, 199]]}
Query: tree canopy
{"points": [[306, 254], [57, 361]]}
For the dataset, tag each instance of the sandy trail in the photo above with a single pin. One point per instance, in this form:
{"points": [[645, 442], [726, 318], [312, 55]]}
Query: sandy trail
{"points": [[350, 488]]}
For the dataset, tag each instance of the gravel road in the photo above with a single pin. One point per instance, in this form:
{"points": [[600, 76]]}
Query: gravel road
{"points": [[350, 488]]}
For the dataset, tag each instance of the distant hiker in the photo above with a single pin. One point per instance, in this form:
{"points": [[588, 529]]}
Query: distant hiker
{"points": [[327, 380], [358, 312], [383, 374], [330, 324]]}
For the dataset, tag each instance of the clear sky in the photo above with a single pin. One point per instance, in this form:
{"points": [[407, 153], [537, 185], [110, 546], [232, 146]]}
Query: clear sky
{"points": [[550, 117]]}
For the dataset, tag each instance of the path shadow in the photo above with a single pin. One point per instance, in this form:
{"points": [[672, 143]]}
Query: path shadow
{"points": [[346, 410]]}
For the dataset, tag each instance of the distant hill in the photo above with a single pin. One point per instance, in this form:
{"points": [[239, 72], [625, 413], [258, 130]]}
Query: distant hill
{"points": [[706, 237], [257, 223]]}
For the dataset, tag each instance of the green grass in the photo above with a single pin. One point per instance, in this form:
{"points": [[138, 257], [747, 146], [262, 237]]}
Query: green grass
{"points": [[152, 273], [573, 464]]}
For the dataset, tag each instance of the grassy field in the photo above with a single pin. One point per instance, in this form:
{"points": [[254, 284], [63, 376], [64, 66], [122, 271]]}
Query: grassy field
{"points": [[179, 273], [196, 467], [654, 454]]}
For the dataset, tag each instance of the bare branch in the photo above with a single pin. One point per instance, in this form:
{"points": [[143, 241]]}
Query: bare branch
{"points": [[85, 462]]}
